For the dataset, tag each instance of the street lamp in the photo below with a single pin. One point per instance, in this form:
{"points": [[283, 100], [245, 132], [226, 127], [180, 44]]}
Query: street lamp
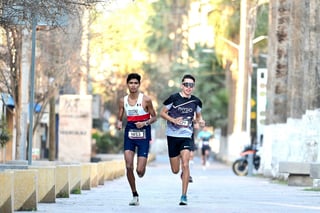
{"points": [[31, 97], [61, 21]]}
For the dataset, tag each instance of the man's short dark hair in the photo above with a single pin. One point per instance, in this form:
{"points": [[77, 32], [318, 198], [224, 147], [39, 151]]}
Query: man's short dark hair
{"points": [[189, 77], [133, 76]]}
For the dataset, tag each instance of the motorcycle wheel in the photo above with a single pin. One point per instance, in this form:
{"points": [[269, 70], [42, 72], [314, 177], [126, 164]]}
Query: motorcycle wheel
{"points": [[240, 167], [256, 162]]}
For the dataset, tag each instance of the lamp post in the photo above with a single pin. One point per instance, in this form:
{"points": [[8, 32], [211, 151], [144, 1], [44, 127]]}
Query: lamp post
{"points": [[62, 20], [31, 102]]}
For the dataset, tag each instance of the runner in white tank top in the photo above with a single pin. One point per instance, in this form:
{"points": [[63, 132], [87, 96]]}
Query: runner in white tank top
{"points": [[137, 135]]}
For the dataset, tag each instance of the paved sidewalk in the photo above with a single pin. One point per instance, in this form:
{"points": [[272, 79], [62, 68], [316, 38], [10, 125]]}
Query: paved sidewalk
{"points": [[215, 189]]}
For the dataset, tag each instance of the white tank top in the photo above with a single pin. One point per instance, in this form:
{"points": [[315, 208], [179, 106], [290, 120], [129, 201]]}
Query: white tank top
{"points": [[135, 112]]}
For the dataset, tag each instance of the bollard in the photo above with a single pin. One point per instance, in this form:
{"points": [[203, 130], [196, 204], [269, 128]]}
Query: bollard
{"points": [[86, 176], [62, 181], [25, 190], [94, 182], [6, 191], [75, 178], [101, 172]]}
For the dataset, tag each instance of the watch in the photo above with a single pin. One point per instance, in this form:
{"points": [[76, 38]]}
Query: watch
{"points": [[146, 123]]}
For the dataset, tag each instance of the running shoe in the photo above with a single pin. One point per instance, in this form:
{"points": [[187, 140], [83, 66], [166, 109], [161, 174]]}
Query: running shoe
{"points": [[134, 201], [183, 200]]}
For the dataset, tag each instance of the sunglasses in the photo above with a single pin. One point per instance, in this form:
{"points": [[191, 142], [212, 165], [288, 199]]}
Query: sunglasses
{"points": [[188, 84]]}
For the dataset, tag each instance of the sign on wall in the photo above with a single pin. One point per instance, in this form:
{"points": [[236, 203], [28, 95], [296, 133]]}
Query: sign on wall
{"points": [[261, 102], [75, 124]]}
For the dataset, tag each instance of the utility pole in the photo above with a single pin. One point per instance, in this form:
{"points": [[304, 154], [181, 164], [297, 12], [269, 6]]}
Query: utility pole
{"points": [[242, 81], [248, 28], [240, 127], [31, 96], [240, 134]]}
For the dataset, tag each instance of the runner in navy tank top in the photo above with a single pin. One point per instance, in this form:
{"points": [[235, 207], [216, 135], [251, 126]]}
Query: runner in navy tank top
{"points": [[179, 111]]}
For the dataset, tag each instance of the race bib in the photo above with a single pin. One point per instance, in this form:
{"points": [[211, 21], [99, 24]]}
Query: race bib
{"points": [[184, 123], [205, 142], [137, 134]]}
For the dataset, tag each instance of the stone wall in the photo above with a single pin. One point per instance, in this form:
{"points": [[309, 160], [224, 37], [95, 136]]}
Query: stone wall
{"points": [[297, 141], [293, 55]]}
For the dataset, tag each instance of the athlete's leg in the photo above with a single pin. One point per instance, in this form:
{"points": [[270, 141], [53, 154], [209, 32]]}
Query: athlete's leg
{"points": [[175, 164], [142, 153], [129, 157], [185, 156], [203, 150], [141, 166], [207, 153], [191, 155], [191, 163], [174, 154]]}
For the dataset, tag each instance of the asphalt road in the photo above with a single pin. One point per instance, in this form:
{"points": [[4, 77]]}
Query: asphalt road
{"points": [[215, 189]]}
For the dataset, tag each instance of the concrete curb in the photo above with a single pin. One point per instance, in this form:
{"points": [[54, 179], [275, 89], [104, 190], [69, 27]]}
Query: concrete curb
{"points": [[46, 183], [23, 186], [7, 193], [62, 181], [75, 179], [85, 176], [25, 190], [94, 182], [100, 171]]}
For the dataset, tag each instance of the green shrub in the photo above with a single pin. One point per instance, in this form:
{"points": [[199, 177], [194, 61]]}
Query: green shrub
{"points": [[4, 132], [107, 143]]}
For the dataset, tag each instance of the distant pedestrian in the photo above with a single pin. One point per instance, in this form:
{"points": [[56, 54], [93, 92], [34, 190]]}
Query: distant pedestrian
{"points": [[179, 110], [140, 114], [205, 135]]}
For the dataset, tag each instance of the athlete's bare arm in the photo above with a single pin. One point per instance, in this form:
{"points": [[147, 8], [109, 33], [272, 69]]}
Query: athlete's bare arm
{"points": [[164, 115], [200, 120], [120, 113], [148, 107]]}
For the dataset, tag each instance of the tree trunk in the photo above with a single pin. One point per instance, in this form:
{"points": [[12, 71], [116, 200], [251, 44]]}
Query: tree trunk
{"points": [[312, 69], [294, 52], [278, 61], [297, 51], [52, 130], [22, 95]]}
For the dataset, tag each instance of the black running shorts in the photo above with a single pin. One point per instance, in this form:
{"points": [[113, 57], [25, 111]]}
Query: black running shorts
{"points": [[176, 145]]}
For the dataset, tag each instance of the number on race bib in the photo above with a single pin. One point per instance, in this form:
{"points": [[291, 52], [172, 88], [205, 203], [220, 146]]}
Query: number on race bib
{"points": [[184, 123], [137, 134]]}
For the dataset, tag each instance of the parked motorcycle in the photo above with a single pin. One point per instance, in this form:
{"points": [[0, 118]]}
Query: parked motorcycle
{"points": [[241, 165]]}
